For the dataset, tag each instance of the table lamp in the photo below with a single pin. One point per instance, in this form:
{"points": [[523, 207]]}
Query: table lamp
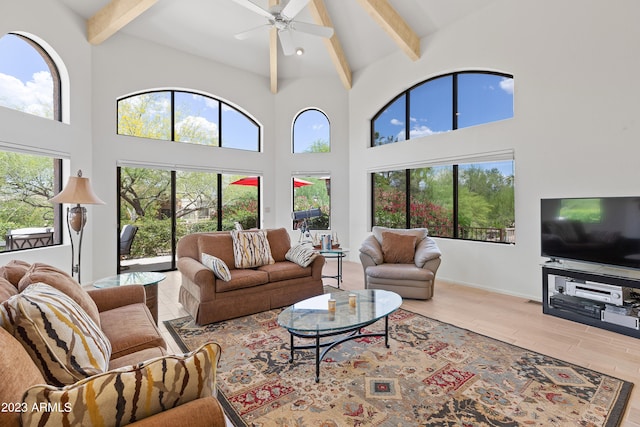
{"points": [[79, 192]]}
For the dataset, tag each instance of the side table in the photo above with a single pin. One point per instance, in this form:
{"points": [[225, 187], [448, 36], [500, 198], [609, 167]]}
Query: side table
{"points": [[339, 254], [149, 280]]}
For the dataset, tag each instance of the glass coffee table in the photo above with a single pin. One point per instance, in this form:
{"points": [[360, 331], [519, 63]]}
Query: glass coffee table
{"points": [[312, 319], [149, 280]]}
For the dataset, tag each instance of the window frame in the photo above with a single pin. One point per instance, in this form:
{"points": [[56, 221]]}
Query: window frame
{"points": [[172, 116], [407, 107]]}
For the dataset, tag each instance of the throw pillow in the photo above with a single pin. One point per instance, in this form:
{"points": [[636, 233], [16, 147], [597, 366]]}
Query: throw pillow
{"points": [[125, 395], [251, 249], [398, 248], [61, 280], [218, 266], [60, 337], [301, 254]]}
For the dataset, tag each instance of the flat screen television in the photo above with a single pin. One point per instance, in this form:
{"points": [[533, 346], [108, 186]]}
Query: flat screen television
{"points": [[603, 230]]}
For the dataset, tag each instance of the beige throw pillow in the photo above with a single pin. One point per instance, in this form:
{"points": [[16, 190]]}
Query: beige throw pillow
{"points": [[218, 266], [251, 249]]}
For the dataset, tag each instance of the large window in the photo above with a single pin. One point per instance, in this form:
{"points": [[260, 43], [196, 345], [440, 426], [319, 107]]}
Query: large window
{"points": [[29, 79], [29, 82], [311, 132], [442, 104], [473, 201], [189, 118], [165, 205], [27, 218], [312, 194]]}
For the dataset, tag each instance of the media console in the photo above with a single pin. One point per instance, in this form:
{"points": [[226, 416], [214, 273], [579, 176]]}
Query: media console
{"points": [[604, 297]]}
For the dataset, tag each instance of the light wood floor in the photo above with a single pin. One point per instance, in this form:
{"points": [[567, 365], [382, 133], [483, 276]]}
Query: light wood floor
{"points": [[507, 318]]}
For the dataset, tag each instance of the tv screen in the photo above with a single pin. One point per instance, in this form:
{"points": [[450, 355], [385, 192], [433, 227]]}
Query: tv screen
{"points": [[604, 230]]}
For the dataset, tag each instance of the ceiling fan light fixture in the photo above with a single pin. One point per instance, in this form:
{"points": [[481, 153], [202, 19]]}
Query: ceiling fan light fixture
{"points": [[299, 51]]}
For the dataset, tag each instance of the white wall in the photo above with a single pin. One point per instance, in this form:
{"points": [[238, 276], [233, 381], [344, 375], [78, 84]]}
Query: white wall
{"points": [[574, 131], [64, 33]]}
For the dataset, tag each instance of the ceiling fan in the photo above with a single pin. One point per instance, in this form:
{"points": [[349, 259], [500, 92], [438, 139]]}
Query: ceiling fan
{"points": [[282, 18]]}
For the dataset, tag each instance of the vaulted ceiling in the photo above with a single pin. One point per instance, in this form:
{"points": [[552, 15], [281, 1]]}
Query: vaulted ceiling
{"points": [[364, 31]]}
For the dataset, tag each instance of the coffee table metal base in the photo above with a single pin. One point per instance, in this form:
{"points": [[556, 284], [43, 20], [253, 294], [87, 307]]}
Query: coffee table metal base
{"points": [[351, 334]]}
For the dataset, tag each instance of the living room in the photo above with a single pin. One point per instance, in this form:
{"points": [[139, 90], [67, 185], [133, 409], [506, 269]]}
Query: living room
{"points": [[573, 132]]}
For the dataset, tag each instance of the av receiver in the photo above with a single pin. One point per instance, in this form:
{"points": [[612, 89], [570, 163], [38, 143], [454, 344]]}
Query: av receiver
{"points": [[611, 294]]}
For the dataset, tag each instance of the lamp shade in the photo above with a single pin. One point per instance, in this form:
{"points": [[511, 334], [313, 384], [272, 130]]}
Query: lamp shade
{"points": [[78, 191]]}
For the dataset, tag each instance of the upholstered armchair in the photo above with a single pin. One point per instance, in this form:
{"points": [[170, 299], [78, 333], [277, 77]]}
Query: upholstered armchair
{"points": [[404, 261]]}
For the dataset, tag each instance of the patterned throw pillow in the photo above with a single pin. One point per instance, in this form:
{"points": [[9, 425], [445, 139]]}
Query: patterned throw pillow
{"points": [[251, 248], [301, 254], [218, 266], [128, 394], [60, 337]]}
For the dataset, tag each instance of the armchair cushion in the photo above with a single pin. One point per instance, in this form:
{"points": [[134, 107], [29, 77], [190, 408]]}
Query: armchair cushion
{"points": [[125, 395], [371, 247], [420, 233], [398, 248], [426, 250], [62, 340]]}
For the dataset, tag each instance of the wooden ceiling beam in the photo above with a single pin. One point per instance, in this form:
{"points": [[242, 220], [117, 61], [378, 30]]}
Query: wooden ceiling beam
{"points": [[321, 17], [397, 28], [113, 17]]}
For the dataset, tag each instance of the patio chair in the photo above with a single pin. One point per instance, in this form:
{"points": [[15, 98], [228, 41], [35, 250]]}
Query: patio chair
{"points": [[127, 234]]}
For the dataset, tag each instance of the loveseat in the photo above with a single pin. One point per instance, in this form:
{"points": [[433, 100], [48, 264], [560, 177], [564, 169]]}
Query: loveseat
{"points": [[72, 356], [209, 298], [404, 261]]}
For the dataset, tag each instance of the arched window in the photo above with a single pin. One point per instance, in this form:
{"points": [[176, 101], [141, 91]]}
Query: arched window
{"points": [[311, 132], [29, 78], [443, 104], [29, 82], [187, 117]]}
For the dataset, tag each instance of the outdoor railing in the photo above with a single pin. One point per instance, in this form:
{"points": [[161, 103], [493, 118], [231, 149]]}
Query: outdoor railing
{"points": [[484, 234]]}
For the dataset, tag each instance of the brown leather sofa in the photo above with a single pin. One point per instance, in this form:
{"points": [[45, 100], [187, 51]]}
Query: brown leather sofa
{"points": [[125, 320], [250, 290]]}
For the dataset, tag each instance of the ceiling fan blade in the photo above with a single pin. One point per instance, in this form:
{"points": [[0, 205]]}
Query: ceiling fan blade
{"points": [[286, 41], [293, 8], [253, 31], [254, 8], [313, 29]]}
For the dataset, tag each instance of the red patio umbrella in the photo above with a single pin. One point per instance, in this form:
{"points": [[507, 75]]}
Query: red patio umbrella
{"points": [[253, 182]]}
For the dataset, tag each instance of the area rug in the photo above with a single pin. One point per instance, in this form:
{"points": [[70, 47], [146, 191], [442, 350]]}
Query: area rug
{"points": [[434, 374]]}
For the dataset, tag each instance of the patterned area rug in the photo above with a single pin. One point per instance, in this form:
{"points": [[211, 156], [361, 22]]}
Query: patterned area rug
{"points": [[434, 374]]}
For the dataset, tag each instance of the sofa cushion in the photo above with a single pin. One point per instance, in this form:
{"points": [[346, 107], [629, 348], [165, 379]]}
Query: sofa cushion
{"points": [[303, 255], [130, 328], [52, 276], [18, 373], [7, 289], [398, 248], [62, 340], [280, 242], [14, 270], [420, 233], [122, 396], [218, 266], [285, 270], [217, 244], [251, 249], [242, 278]]}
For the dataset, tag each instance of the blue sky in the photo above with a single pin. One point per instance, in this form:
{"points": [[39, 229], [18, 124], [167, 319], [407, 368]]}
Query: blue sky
{"points": [[25, 80]]}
